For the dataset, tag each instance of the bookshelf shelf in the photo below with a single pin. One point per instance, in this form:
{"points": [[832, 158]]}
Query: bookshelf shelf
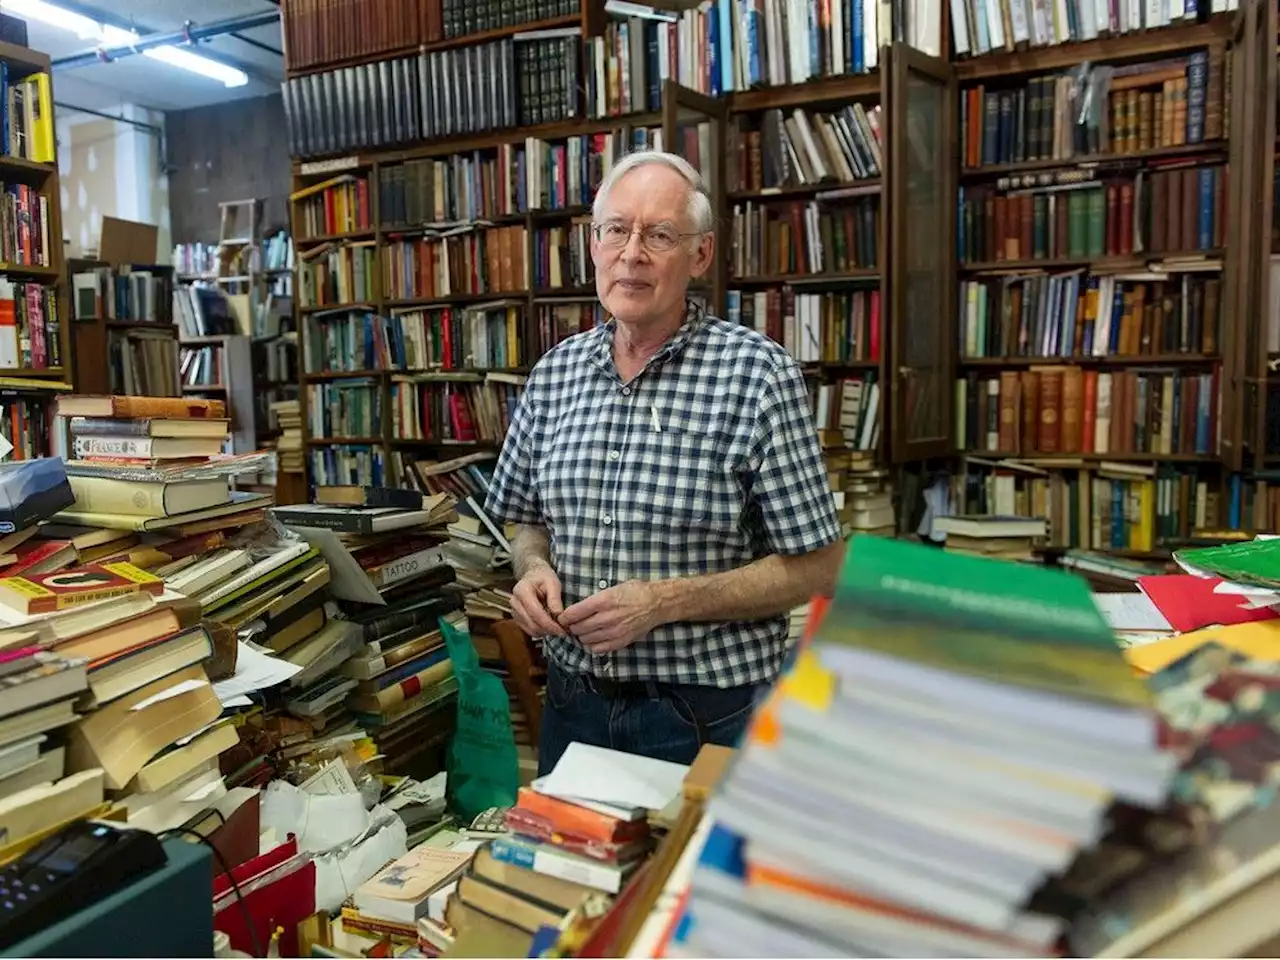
{"points": [[801, 190], [1058, 460], [322, 375], [1093, 264], [798, 279], [204, 388], [454, 299], [24, 167], [31, 270], [336, 307], [852, 86], [37, 372], [1123, 48], [334, 238], [1182, 151], [343, 441], [1115, 360], [139, 325]]}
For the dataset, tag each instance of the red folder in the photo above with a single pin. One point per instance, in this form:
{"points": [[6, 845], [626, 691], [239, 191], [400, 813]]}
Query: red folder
{"points": [[1189, 603], [279, 891]]}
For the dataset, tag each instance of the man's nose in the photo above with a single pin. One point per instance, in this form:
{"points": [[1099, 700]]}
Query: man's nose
{"points": [[634, 247]]}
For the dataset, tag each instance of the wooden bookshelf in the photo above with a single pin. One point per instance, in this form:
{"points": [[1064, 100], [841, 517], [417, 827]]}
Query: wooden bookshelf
{"points": [[30, 404], [1192, 476]]}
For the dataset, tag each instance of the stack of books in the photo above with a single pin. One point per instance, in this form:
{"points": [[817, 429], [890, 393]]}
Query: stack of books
{"points": [[390, 673], [557, 855], [863, 493], [1000, 538], [962, 749], [38, 793], [408, 895], [289, 453]]}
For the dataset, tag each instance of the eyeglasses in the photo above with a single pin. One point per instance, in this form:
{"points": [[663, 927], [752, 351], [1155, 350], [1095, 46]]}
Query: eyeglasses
{"points": [[655, 239]]}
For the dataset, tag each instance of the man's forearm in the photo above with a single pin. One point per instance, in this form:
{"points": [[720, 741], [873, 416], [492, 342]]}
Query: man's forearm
{"points": [[530, 546], [765, 588]]}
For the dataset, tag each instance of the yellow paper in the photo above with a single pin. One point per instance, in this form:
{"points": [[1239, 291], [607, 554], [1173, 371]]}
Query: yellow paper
{"points": [[810, 683], [1260, 640]]}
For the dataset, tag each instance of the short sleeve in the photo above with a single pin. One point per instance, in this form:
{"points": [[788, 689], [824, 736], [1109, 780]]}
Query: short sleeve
{"points": [[513, 494], [790, 486]]}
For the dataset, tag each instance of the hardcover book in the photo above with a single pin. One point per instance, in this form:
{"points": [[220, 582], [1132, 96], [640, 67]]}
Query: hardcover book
{"points": [[41, 593]]}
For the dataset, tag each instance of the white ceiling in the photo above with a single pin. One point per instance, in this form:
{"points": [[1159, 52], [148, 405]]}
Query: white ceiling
{"points": [[150, 83]]}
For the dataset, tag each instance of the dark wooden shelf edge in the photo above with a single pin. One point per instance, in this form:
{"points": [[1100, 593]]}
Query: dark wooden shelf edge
{"points": [[1118, 360], [1095, 264], [1135, 45], [1094, 159], [344, 441], [802, 94], [1097, 457]]}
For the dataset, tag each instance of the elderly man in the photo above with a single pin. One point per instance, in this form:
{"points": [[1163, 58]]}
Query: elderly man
{"points": [[669, 491]]}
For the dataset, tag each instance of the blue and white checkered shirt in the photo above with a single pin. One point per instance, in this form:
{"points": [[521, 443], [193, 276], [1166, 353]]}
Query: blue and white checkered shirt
{"points": [[704, 462]]}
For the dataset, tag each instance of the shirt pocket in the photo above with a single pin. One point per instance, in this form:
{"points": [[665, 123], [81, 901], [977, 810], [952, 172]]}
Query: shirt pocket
{"points": [[685, 485]]}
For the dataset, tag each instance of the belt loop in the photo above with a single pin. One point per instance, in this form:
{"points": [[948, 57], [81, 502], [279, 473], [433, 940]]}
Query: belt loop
{"points": [[652, 690]]}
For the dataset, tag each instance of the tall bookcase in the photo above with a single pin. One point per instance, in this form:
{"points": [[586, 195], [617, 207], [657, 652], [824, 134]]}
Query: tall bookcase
{"points": [[36, 361], [1112, 237], [806, 254]]}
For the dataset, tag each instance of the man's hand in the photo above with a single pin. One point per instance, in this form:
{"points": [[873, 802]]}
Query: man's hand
{"points": [[536, 602], [613, 618]]}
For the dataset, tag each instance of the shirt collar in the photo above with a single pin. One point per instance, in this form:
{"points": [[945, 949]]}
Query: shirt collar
{"points": [[602, 346]]}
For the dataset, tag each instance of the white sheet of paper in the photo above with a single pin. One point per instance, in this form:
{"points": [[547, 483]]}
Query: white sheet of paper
{"points": [[177, 690], [613, 777], [1245, 590], [330, 779], [254, 671], [346, 580], [1130, 611]]}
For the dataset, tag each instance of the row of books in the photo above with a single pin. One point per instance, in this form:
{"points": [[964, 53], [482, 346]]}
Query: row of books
{"points": [[519, 81], [805, 238], [334, 274], [356, 29], [454, 407], [25, 226], [1165, 212], [507, 180], [26, 117], [144, 363], [1075, 315], [358, 465], [836, 327], [1068, 410], [334, 206], [30, 326], [848, 411], [1104, 506], [1101, 109], [344, 408], [784, 151], [124, 293], [466, 261], [984, 26]]}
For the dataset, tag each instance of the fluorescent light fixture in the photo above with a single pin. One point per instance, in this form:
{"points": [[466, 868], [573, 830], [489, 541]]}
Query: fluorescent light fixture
{"points": [[87, 28]]}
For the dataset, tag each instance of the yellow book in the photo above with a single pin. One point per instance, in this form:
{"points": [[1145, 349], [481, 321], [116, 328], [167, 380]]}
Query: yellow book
{"points": [[1259, 640], [42, 144]]}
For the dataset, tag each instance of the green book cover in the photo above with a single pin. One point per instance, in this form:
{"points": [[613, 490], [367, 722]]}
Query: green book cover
{"points": [[1014, 623], [1254, 562]]}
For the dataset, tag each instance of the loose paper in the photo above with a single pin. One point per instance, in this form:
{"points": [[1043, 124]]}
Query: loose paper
{"points": [[610, 776], [254, 671], [1131, 611]]}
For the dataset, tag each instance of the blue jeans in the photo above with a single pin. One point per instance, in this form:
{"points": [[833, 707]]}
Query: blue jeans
{"points": [[668, 721]]}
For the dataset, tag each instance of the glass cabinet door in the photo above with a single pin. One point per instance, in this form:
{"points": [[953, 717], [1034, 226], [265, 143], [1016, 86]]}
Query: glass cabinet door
{"points": [[922, 230]]}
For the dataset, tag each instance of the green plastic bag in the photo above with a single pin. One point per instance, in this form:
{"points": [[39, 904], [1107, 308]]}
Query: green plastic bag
{"points": [[483, 766]]}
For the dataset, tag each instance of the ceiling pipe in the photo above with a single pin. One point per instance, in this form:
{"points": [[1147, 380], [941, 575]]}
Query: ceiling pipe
{"points": [[176, 38]]}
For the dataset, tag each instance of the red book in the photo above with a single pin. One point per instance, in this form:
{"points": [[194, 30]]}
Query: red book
{"points": [[1189, 603]]}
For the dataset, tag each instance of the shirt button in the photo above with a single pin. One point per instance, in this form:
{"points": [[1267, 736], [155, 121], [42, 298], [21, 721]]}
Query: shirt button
{"points": [[606, 519], [602, 584], [626, 391], [614, 454]]}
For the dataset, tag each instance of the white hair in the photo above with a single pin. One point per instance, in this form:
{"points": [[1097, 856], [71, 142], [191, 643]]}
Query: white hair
{"points": [[699, 198]]}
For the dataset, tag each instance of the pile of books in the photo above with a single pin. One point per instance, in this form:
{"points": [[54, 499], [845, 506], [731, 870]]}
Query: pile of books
{"points": [[863, 493], [962, 751], [289, 452], [393, 583], [999, 538]]}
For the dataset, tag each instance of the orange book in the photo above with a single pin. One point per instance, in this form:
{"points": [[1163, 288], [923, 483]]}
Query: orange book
{"points": [[1090, 410], [560, 815], [142, 408], [44, 592]]}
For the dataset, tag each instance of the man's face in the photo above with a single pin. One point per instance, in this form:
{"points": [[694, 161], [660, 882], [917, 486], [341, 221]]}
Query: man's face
{"points": [[638, 281]]}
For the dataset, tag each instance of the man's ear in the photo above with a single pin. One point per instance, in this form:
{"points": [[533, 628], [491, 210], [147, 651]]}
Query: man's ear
{"points": [[703, 255]]}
